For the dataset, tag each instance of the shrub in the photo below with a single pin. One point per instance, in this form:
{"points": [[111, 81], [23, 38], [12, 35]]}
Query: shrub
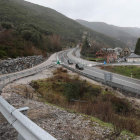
{"points": [[26, 34], [2, 54], [71, 91], [6, 25]]}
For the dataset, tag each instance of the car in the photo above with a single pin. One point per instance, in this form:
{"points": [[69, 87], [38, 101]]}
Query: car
{"points": [[70, 62], [79, 66]]}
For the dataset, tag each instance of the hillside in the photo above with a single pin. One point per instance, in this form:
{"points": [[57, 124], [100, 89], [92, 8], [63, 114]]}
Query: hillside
{"points": [[128, 35], [104, 28], [25, 16]]}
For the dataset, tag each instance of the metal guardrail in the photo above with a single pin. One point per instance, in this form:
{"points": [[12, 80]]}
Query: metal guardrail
{"points": [[24, 126], [109, 83], [112, 84]]}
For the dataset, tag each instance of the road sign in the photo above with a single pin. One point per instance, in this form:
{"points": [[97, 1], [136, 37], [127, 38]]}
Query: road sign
{"points": [[58, 62], [108, 77]]}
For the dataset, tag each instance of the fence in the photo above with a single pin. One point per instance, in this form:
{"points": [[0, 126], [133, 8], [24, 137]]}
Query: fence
{"points": [[27, 129]]}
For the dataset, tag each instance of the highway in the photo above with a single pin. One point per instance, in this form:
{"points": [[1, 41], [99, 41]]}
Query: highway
{"points": [[118, 79], [77, 57]]}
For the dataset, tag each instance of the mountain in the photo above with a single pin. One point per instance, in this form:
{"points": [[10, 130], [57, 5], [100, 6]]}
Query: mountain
{"points": [[42, 28], [128, 35], [131, 30], [104, 28]]}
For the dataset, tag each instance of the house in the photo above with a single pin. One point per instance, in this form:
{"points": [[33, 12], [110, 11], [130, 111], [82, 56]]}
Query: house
{"points": [[118, 51], [133, 58], [125, 52], [107, 53]]}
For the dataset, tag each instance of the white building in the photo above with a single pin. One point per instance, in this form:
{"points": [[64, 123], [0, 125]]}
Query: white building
{"points": [[118, 51], [133, 58]]}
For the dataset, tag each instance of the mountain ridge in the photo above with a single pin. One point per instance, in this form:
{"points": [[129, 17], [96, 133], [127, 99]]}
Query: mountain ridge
{"points": [[128, 35], [100, 25]]}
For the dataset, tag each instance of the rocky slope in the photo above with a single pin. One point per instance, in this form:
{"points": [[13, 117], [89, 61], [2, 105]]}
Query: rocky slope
{"points": [[18, 64]]}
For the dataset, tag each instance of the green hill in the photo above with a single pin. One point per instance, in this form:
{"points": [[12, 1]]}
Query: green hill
{"points": [[36, 24], [104, 28], [128, 35]]}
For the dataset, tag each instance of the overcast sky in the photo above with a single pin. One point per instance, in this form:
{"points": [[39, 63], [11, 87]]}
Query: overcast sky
{"points": [[125, 13]]}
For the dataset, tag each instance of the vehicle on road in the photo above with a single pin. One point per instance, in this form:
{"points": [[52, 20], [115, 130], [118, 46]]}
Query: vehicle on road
{"points": [[79, 66], [70, 62]]}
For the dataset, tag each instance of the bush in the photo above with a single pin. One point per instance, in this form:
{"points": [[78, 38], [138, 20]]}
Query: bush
{"points": [[26, 34], [71, 91], [2, 54], [6, 25]]}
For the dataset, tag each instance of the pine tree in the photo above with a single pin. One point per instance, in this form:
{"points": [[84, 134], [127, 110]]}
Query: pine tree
{"points": [[137, 48], [85, 47], [86, 44]]}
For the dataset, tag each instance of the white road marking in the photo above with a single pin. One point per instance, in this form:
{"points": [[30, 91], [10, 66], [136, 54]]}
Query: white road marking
{"points": [[113, 77]]}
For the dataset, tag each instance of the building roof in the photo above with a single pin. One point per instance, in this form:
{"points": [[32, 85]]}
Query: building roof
{"points": [[132, 51], [126, 48], [108, 50], [133, 55], [118, 49]]}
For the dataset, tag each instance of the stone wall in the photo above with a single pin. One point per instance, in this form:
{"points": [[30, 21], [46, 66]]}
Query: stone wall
{"points": [[18, 64]]}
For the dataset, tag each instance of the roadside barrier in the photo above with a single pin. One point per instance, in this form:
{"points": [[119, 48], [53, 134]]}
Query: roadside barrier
{"points": [[27, 130], [109, 83]]}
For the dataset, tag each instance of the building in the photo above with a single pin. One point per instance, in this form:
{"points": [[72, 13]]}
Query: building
{"points": [[107, 53], [125, 52], [118, 51], [133, 58]]}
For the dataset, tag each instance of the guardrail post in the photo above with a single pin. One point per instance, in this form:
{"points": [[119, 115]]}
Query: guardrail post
{"points": [[16, 76], [0, 90], [121, 88], [9, 79], [3, 82], [23, 75], [24, 111]]}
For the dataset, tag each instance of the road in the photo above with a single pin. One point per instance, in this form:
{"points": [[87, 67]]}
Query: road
{"points": [[80, 60], [118, 79], [45, 63]]}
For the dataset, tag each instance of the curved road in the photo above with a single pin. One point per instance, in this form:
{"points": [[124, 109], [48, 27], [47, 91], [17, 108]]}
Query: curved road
{"points": [[118, 79], [45, 63]]}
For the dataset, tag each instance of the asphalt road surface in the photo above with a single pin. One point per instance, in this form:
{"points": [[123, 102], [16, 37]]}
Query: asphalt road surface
{"points": [[118, 79], [45, 63]]}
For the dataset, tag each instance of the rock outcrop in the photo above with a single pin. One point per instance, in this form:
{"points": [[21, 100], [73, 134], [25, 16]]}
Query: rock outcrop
{"points": [[20, 63]]}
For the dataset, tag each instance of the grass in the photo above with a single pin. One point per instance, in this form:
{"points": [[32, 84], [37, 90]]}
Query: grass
{"points": [[100, 122], [104, 105], [124, 70], [95, 59]]}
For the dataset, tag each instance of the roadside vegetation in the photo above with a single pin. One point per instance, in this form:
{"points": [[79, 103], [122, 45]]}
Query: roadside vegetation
{"points": [[124, 70], [70, 92], [137, 48], [28, 29], [94, 59], [25, 40]]}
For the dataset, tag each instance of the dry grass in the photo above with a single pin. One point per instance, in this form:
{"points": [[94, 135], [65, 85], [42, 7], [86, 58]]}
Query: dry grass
{"points": [[104, 105]]}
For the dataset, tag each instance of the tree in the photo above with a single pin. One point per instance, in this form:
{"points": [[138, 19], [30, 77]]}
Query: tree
{"points": [[26, 34], [86, 43], [6, 25], [137, 48], [95, 47], [85, 47]]}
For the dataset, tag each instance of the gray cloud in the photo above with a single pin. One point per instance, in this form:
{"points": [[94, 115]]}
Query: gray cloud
{"points": [[119, 12]]}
